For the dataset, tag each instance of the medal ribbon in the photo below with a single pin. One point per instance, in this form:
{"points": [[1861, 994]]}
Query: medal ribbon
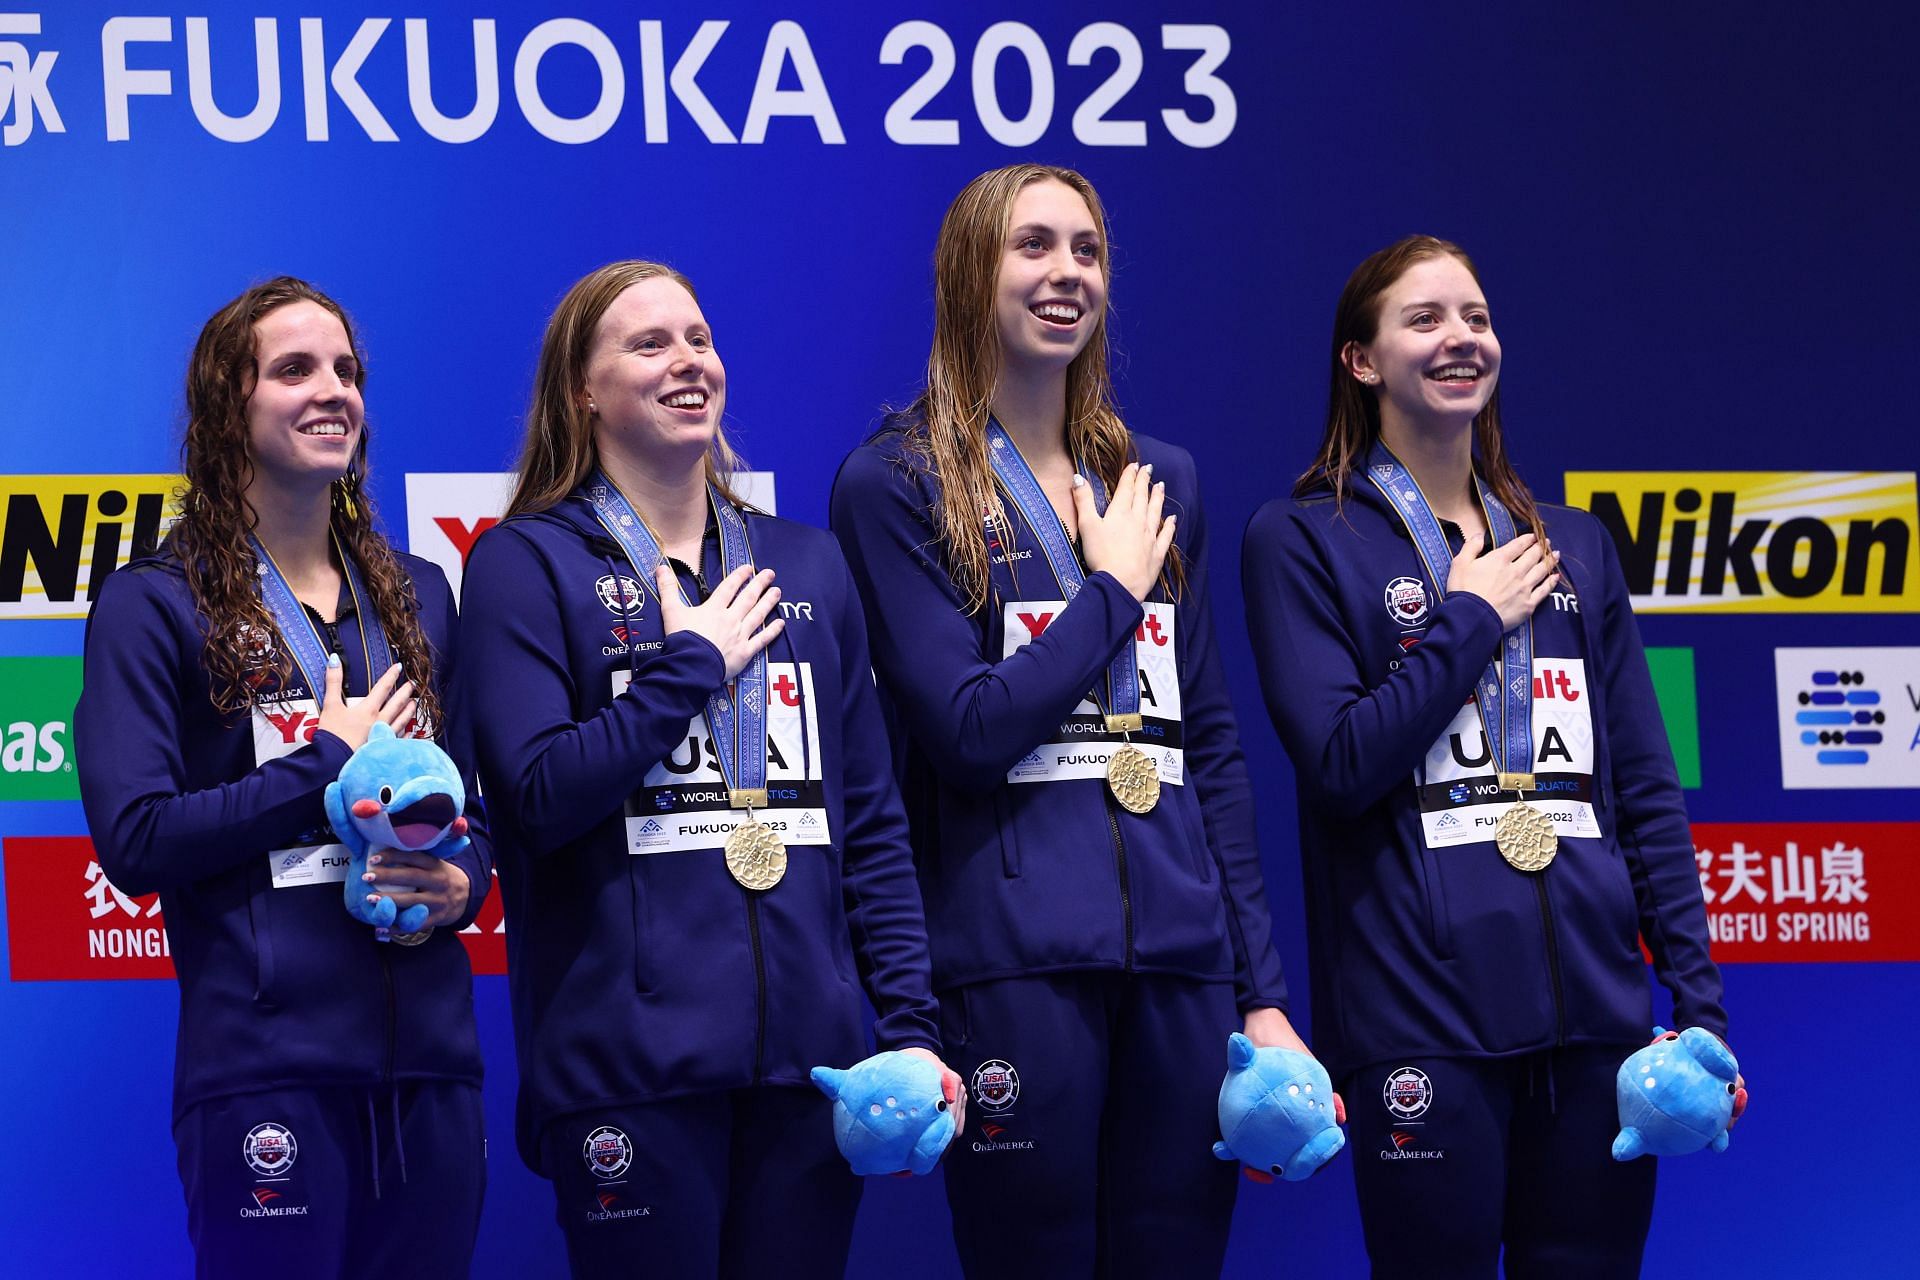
{"points": [[296, 628], [1504, 697], [742, 769], [1123, 674]]}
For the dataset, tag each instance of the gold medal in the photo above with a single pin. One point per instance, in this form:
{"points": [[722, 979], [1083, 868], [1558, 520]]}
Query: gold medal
{"points": [[1133, 779], [411, 939], [755, 855], [1525, 837]]}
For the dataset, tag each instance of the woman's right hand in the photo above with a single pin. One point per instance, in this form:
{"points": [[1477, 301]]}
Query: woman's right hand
{"points": [[1130, 541], [385, 703], [733, 619], [1514, 577]]}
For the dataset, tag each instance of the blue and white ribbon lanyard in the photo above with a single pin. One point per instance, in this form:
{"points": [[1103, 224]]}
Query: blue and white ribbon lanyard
{"points": [[1503, 698], [1122, 709], [296, 629], [737, 718]]}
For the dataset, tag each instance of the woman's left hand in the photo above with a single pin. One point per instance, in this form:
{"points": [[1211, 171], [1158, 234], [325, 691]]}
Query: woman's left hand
{"points": [[409, 877], [950, 1085], [1269, 1028]]}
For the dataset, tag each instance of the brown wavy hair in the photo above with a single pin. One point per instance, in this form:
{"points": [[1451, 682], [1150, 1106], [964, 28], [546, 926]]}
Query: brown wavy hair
{"points": [[946, 426], [210, 537], [1353, 409], [559, 452]]}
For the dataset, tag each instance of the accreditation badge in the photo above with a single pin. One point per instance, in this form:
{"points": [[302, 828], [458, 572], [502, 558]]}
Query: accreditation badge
{"points": [[279, 729], [684, 803]]}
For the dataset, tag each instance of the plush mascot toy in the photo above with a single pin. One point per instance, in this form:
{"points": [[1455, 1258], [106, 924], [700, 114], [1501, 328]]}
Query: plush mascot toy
{"points": [[1676, 1096], [395, 793], [1276, 1112], [890, 1113]]}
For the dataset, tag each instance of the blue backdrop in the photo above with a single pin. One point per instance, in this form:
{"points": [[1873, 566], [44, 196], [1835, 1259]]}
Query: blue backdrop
{"points": [[1693, 223]]}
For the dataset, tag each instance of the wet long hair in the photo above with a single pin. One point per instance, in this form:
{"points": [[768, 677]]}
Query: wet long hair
{"points": [[210, 536], [559, 453], [1353, 409], [946, 426]]}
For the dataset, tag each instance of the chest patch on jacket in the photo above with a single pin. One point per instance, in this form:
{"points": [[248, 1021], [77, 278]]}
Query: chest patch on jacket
{"points": [[1460, 798], [1081, 747], [682, 805]]}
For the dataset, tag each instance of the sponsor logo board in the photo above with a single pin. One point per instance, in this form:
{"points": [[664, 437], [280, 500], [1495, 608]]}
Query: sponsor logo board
{"points": [[1848, 717], [1760, 541], [63, 534], [1810, 891], [36, 728], [67, 921], [1674, 688]]}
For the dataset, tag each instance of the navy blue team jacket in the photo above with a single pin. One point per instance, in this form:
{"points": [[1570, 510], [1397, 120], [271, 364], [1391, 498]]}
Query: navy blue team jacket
{"points": [[1421, 950], [279, 987], [644, 976], [1025, 878]]}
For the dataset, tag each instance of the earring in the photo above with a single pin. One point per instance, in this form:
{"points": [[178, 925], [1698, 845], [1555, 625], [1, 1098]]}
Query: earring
{"points": [[1370, 378], [592, 407]]}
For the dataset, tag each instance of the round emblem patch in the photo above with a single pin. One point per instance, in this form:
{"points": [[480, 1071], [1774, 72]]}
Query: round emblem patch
{"points": [[996, 1085], [270, 1150], [1407, 601], [610, 590], [608, 1152], [1408, 1093]]}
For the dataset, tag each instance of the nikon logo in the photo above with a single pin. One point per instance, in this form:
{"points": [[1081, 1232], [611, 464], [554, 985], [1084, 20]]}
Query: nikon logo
{"points": [[1760, 541], [63, 534], [36, 728]]}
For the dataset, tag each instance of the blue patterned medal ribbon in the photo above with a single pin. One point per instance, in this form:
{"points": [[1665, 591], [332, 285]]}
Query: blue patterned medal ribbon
{"points": [[1504, 692], [1123, 674], [738, 721], [296, 628]]}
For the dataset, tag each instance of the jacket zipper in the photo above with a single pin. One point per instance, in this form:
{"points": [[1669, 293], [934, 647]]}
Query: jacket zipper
{"points": [[759, 984], [1553, 960], [1120, 862]]}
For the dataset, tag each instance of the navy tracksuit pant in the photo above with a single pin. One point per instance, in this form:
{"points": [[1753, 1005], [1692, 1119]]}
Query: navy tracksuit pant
{"points": [[741, 1183], [319, 1184], [1457, 1159], [1092, 1110]]}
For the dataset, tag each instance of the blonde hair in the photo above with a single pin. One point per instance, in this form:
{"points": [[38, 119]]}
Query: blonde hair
{"points": [[559, 454]]}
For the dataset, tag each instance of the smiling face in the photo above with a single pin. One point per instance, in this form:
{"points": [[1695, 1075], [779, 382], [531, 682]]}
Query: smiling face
{"points": [[1052, 283], [655, 383], [1434, 360], [304, 413]]}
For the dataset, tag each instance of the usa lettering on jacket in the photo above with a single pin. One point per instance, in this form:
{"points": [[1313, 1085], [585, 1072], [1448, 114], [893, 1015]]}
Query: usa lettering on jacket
{"points": [[1083, 746], [681, 804], [279, 729], [1460, 796]]}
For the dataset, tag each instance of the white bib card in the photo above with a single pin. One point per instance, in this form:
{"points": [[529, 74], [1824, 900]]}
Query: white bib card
{"points": [[1460, 796], [1082, 746], [682, 804]]}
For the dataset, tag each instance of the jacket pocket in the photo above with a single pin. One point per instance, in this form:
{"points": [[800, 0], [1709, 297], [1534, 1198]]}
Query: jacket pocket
{"points": [[1439, 924], [260, 892], [1005, 831], [642, 930], [1195, 822]]}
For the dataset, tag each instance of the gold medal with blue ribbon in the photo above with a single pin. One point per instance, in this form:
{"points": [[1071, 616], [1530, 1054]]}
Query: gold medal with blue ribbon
{"points": [[1504, 692], [737, 714], [1132, 775]]}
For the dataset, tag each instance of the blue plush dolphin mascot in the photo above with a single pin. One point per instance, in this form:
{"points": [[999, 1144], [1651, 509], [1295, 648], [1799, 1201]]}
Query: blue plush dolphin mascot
{"points": [[1676, 1096], [890, 1113], [395, 793], [1277, 1112]]}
